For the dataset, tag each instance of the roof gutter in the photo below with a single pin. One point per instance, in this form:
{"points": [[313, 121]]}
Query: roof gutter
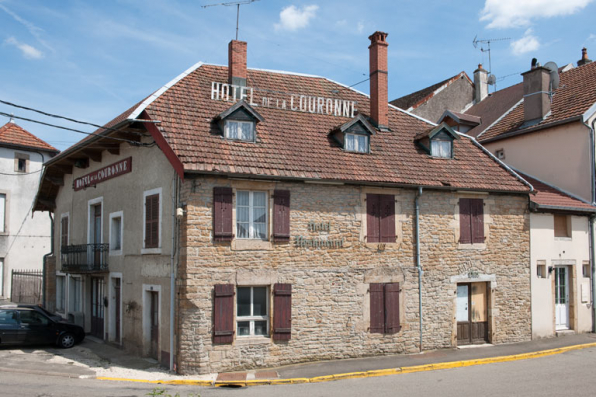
{"points": [[537, 207], [532, 129]]}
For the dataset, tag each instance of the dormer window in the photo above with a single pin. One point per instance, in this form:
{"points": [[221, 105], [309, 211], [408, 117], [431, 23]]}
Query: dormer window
{"points": [[242, 130], [441, 147], [437, 141], [354, 136], [238, 123]]}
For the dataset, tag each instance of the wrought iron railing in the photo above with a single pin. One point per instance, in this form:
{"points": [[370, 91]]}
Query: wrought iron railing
{"points": [[84, 258]]}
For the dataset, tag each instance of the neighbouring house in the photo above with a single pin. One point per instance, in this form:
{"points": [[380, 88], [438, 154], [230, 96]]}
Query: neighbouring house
{"points": [[240, 218], [23, 240]]}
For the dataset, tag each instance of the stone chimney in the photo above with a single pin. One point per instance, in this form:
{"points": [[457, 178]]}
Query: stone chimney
{"points": [[237, 63], [480, 84], [584, 60], [379, 97], [536, 93]]}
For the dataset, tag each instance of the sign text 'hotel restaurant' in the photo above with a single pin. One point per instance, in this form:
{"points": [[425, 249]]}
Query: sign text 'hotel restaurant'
{"points": [[285, 101], [103, 174]]}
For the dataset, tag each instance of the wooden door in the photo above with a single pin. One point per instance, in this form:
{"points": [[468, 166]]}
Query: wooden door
{"points": [[472, 313], [97, 306], [154, 313], [562, 297], [117, 313]]}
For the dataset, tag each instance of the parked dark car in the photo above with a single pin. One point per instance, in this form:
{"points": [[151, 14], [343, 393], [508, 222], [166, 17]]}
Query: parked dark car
{"points": [[39, 308], [26, 325]]}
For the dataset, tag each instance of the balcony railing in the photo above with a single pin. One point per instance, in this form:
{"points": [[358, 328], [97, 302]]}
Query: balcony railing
{"points": [[84, 258]]}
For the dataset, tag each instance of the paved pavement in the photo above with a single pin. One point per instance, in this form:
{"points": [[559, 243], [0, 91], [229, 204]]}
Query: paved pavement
{"points": [[93, 358]]}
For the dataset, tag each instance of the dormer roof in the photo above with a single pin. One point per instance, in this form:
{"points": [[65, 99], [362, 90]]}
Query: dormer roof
{"points": [[242, 105]]}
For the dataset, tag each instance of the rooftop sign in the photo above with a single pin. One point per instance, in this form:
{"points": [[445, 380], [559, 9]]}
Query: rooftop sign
{"points": [[282, 100]]}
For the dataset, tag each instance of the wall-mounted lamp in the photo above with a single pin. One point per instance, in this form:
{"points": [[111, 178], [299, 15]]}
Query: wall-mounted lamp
{"points": [[550, 269]]}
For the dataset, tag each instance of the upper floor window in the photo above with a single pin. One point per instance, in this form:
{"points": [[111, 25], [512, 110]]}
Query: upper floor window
{"points": [[441, 148], [562, 225], [356, 143], [239, 122], [354, 136], [251, 215], [21, 162], [380, 218], [2, 212], [437, 141], [242, 130], [471, 221], [152, 217]]}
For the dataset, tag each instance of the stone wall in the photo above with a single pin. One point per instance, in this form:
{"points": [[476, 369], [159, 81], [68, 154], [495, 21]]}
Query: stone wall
{"points": [[330, 300]]}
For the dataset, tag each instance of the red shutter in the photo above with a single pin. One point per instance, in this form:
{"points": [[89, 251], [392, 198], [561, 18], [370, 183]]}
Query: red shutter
{"points": [[223, 313], [152, 221], [387, 204], [281, 215], [373, 215], [465, 227], [64, 232], [377, 309], [222, 214], [477, 220], [392, 325], [282, 311]]}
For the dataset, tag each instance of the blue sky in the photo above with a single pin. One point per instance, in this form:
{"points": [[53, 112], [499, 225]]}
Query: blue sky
{"points": [[91, 60]]}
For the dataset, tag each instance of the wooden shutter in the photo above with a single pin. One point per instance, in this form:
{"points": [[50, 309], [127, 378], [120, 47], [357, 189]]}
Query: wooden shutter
{"points": [[222, 214], [223, 313], [282, 311], [377, 309], [64, 232], [281, 215], [392, 325], [373, 215], [152, 221], [477, 220], [387, 221], [465, 226]]}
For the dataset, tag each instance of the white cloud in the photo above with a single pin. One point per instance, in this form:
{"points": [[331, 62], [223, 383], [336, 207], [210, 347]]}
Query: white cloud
{"points": [[360, 27], [516, 13], [526, 44], [28, 51], [34, 30], [293, 18], [592, 37]]}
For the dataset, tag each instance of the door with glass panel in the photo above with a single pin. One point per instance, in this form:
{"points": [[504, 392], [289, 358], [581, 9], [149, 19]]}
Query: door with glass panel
{"points": [[472, 313], [252, 314], [562, 297], [97, 306]]}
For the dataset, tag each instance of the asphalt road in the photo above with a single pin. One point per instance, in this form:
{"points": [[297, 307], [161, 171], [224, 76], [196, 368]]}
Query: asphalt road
{"points": [[570, 373]]}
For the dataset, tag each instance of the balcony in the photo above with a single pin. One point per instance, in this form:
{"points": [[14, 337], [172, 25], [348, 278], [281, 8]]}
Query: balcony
{"points": [[84, 258]]}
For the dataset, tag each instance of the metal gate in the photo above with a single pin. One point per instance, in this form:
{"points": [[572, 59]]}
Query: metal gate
{"points": [[26, 286]]}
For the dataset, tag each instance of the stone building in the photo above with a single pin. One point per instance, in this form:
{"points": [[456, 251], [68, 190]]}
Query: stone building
{"points": [[298, 219]]}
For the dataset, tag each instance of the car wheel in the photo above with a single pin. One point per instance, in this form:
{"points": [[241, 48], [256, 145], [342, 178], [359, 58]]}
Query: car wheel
{"points": [[66, 340]]}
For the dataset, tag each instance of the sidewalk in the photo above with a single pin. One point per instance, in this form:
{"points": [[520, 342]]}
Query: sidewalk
{"points": [[95, 359]]}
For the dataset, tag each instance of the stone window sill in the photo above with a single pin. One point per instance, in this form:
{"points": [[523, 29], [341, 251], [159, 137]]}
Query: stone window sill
{"points": [[478, 247], [250, 245], [251, 340], [563, 239], [150, 251]]}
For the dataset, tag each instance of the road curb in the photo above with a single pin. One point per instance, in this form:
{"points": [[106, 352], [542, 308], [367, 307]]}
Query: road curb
{"points": [[366, 374]]}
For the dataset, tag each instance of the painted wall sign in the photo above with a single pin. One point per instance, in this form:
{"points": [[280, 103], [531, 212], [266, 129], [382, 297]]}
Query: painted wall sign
{"points": [[103, 174], [282, 100], [313, 242]]}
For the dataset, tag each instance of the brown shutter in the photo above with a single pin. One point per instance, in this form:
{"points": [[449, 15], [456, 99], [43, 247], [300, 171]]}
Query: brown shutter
{"points": [[64, 232], [387, 221], [377, 309], [152, 221], [222, 214], [373, 213], [465, 227], [281, 215], [223, 313], [392, 325], [477, 220], [282, 311]]}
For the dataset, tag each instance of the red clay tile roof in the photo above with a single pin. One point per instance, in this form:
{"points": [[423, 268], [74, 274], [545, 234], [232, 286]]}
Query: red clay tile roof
{"points": [[575, 95], [296, 144], [494, 106], [550, 197], [12, 134], [417, 98]]}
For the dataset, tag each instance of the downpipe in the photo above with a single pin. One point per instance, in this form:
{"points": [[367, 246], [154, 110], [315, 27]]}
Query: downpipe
{"points": [[173, 269], [418, 264]]}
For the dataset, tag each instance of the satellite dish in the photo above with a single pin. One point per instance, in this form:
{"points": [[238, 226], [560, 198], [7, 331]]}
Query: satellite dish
{"points": [[492, 79], [554, 74]]}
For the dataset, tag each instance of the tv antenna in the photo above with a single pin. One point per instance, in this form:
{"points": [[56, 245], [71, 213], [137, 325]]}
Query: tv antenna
{"points": [[492, 80], [237, 4]]}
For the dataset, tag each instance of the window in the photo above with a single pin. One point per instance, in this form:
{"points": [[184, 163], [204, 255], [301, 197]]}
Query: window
{"points": [[64, 230], [33, 318], [356, 143], [471, 221], [21, 162], [2, 213], [251, 215], [252, 314], [586, 269], [541, 269], [8, 317], [152, 221], [384, 308], [440, 148], [116, 232], [380, 218], [241, 130], [562, 225], [60, 293], [75, 297]]}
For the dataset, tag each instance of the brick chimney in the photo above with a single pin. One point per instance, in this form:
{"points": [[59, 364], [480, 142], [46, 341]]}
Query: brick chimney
{"points": [[480, 84], [237, 63], [379, 98], [536, 93], [584, 60]]}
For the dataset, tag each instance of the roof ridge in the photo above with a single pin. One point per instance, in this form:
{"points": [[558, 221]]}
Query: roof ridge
{"points": [[11, 124], [501, 117]]}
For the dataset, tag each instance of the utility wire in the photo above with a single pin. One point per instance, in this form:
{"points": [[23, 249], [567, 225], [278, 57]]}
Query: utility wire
{"points": [[20, 173]]}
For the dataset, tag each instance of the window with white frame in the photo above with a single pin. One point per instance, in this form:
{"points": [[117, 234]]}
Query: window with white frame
{"points": [[251, 215], [75, 294], [441, 148], [252, 311], [60, 293], [116, 232], [2, 212], [241, 130], [356, 143]]}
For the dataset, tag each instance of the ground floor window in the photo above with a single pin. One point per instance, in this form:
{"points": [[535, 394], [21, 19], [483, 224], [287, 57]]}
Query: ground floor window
{"points": [[252, 311], [75, 297], [60, 293]]}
